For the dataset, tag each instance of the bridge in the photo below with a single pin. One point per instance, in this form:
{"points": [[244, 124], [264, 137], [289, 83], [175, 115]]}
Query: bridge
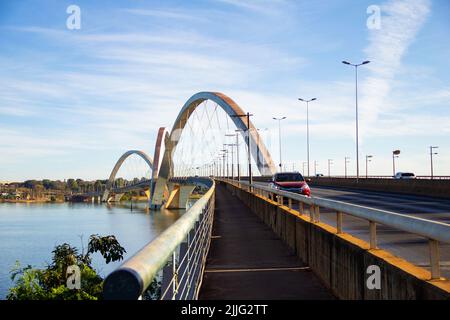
{"points": [[243, 239]]}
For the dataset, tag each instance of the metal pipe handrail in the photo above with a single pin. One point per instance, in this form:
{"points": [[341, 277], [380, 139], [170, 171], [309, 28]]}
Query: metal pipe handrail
{"points": [[389, 177], [133, 277], [427, 228], [385, 177], [434, 231], [193, 253]]}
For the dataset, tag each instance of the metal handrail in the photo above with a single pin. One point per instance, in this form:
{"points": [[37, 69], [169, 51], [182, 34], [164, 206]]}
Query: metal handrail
{"points": [[434, 231], [363, 177], [136, 274]]}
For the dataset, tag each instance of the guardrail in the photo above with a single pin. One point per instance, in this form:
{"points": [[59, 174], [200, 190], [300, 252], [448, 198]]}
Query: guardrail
{"points": [[384, 177], [176, 257], [361, 177], [434, 231]]}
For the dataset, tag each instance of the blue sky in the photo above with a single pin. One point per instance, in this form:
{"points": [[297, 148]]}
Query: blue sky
{"points": [[72, 101]]}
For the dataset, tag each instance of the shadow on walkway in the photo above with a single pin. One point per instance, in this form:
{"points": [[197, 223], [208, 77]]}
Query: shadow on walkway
{"points": [[247, 260]]}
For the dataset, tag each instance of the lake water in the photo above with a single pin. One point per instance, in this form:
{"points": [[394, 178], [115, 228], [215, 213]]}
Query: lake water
{"points": [[29, 232]]}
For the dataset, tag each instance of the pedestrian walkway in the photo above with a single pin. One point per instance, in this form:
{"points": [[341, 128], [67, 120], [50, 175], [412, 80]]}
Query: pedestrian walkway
{"points": [[247, 260]]}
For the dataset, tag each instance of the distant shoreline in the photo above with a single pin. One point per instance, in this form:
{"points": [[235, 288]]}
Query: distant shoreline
{"points": [[30, 201]]}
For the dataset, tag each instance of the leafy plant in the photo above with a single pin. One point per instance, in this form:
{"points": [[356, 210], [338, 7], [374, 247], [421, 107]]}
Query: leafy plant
{"points": [[50, 283]]}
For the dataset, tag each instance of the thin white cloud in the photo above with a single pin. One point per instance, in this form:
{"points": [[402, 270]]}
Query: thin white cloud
{"points": [[400, 24], [164, 14], [259, 6]]}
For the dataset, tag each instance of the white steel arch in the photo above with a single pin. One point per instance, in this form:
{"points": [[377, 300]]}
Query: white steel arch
{"points": [[117, 166], [260, 153]]}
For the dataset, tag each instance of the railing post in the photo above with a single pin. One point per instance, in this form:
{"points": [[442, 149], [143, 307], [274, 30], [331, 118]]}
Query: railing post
{"points": [[317, 214], [290, 203], [373, 234], [188, 252], [339, 222], [175, 276], [434, 259]]}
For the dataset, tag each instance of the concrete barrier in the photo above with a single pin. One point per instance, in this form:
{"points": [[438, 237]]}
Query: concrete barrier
{"points": [[430, 188], [341, 261]]}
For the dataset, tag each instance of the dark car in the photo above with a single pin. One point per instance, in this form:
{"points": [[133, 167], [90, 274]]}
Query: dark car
{"points": [[291, 182]]}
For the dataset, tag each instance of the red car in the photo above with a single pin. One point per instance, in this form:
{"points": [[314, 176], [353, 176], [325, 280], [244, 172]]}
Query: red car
{"points": [[291, 182]]}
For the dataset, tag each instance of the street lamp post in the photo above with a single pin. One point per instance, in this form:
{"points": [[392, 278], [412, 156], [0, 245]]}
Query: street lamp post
{"points": [[368, 157], [315, 167], [303, 167], [356, 100], [347, 160], [232, 153], [395, 154], [330, 162], [279, 138], [248, 115], [223, 158], [227, 152], [219, 166], [307, 127], [232, 159], [431, 158], [238, 159]]}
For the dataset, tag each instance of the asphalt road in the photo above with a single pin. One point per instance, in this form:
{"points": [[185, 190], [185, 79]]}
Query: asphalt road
{"points": [[410, 247]]}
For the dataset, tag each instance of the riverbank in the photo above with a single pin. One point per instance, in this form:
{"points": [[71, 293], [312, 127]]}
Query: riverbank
{"points": [[30, 201]]}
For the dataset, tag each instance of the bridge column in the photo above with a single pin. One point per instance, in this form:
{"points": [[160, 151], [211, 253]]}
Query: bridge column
{"points": [[159, 194], [105, 196], [118, 196], [178, 196]]}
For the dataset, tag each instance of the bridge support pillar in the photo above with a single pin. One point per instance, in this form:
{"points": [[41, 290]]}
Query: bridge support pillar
{"points": [[178, 196], [159, 194], [118, 196], [105, 196]]}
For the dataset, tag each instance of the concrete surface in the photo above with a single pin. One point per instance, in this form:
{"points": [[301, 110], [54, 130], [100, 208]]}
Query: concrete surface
{"points": [[341, 260], [247, 260]]}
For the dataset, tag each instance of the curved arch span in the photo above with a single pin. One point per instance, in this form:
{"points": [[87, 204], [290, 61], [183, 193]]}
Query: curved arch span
{"points": [[154, 163], [117, 166], [260, 153]]}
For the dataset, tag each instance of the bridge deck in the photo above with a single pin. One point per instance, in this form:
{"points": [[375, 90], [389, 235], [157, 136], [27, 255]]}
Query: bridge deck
{"points": [[248, 261]]}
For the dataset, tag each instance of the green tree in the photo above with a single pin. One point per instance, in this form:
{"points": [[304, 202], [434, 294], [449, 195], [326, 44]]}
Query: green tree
{"points": [[72, 184], [98, 185], [32, 184], [50, 283]]}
